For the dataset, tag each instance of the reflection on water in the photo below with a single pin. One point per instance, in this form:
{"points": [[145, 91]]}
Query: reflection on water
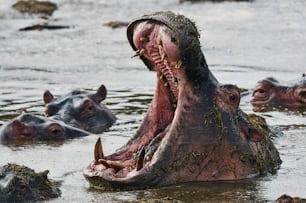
{"points": [[243, 43]]}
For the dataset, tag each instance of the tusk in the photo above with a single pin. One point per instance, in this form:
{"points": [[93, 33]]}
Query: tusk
{"points": [[98, 151], [139, 163], [139, 53]]}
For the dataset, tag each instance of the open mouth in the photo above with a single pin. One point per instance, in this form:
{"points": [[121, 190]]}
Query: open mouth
{"points": [[157, 45]]}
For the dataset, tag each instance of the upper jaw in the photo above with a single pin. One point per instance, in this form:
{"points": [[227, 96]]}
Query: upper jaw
{"points": [[157, 46]]}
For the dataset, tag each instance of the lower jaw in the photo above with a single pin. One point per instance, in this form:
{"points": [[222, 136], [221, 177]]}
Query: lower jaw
{"points": [[159, 117]]}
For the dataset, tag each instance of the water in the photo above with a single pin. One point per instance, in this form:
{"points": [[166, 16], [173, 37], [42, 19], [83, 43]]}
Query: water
{"points": [[242, 42]]}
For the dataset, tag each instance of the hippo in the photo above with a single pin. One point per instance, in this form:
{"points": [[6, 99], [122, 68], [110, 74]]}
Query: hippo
{"points": [[28, 127], [288, 199], [193, 130], [270, 93], [45, 8], [81, 109], [22, 184]]}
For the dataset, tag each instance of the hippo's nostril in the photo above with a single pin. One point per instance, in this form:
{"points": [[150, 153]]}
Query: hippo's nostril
{"points": [[56, 131], [303, 94]]}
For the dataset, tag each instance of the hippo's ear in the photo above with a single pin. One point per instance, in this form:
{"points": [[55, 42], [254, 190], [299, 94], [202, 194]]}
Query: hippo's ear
{"points": [[251, 133], [48, 97], [100, 95], [23, 111], [16, 126]]}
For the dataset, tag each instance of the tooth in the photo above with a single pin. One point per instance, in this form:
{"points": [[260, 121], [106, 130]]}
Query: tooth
{"points": [[103, 161], [178, 64], [98, 151], [144, 39], [139, 53], [139, 163], [166, 84], [163, 55], [113, 164], [161, 76]]}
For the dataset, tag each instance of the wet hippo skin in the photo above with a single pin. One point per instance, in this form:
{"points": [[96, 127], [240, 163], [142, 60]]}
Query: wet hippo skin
{"points": [[22, 184], [27, 127], [193, 129], [81, 109], [271, 93]]}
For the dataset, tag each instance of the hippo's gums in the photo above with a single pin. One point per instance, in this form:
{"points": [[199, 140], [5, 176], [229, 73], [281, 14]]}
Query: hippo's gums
{"points": [[81, 110], [193, 130], [30, 127], [269, 92], [22, 184]]}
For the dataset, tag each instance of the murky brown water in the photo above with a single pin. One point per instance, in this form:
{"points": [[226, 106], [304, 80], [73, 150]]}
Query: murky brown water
{"points": [[243, 42]]}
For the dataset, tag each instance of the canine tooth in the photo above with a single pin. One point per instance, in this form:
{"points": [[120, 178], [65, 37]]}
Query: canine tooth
{"points": [[98, 151], [178, 64], [139, 53], [139, 163], [163, 56], [166, 84], [161, 76]]}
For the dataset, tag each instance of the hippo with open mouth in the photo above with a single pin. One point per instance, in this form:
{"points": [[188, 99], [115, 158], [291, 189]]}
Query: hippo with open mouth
{"points": [[270, 92], [193, 129]]}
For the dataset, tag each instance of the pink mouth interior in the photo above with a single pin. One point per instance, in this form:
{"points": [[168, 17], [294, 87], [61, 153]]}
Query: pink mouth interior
{"points": [[158, 44]]}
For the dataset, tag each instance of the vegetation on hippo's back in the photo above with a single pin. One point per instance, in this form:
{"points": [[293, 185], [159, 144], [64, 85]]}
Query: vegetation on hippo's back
{"points": [[20, 183]]}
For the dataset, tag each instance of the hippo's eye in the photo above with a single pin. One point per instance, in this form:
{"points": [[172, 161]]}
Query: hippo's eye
{"points": [[261, 91], [88, 109], [233, 97]]}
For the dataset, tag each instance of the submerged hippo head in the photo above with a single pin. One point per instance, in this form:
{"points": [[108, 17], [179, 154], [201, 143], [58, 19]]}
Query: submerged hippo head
{"points": [[81, 110], [30, 127], [193, 130], [269, 92], [22, 184]]}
